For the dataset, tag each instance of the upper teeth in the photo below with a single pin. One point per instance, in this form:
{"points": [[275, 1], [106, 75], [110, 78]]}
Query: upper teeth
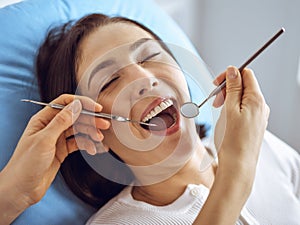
{"points": [[158, 109]]}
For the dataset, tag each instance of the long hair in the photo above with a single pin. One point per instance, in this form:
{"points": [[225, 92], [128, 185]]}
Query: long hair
{"points": [[56, 66]]}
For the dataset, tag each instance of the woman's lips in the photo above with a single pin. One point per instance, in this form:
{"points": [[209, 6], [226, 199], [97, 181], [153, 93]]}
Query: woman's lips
{"points": [[151, 106], [163, 112], [163, 106]]}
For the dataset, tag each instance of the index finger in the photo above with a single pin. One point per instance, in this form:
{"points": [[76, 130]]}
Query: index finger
{"points": [[220, 78], [220, 97], [100, 123], [48, 113]]}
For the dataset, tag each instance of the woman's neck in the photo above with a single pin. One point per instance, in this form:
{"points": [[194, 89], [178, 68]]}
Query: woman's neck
{"points": [[168, 191]]}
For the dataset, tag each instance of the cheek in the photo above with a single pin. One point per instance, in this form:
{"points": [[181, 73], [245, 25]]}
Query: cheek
{"points": [[174, 75], [115, 101], [107, 101], [106, 106], [109, 138], [180, 80], [176, 81]]}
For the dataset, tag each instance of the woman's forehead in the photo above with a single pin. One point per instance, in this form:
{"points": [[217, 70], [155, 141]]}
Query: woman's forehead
{"points": [[114, 35], [108, 37]]}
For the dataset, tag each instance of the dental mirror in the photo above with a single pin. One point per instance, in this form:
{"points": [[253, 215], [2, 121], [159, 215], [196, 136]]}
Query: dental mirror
{"points": [[191, 109]]}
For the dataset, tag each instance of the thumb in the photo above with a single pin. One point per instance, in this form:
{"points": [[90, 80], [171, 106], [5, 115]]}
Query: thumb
{"points": [[234, 87], [63, 120]]}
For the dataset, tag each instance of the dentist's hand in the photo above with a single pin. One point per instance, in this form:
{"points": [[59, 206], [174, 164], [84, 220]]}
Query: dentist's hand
{"points": [[243, 120], [42, 148], [238, 137]]}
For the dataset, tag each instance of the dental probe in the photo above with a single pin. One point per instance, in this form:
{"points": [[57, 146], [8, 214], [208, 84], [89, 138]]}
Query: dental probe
{"points": [[90, 113]]}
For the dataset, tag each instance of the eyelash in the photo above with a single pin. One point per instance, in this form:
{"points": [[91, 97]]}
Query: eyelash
{"points": [[108, 83], [148, 57], [140, 62]]}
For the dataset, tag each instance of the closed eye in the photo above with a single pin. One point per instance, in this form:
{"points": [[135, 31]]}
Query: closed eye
{"points": [[149, 57], [108, 83]]}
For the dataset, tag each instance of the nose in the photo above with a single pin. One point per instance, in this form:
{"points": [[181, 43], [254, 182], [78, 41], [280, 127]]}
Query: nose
{"points": [[145, 85], [142, 80]]}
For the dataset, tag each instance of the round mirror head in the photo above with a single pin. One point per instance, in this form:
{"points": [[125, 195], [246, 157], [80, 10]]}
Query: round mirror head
{"points": [[189, 110]]}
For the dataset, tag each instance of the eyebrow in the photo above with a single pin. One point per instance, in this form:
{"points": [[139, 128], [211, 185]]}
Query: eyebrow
{"points": [[110, 62], [99, 67], [138, 43]]}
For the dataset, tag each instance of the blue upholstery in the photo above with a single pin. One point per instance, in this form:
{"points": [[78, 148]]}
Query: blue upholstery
{"points": [[23, 28]]}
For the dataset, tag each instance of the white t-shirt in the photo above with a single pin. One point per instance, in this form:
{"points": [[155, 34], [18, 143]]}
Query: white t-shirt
{"points": [[274, 200]]}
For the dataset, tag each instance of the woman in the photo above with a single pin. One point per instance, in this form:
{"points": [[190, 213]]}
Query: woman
{"points": [[122, 65]]}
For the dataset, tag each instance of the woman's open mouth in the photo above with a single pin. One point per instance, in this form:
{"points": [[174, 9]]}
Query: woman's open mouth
{"points": [[163, 114]]}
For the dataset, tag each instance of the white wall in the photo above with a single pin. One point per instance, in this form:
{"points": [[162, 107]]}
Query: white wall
{"points": [[7, 2], [227, 32]]}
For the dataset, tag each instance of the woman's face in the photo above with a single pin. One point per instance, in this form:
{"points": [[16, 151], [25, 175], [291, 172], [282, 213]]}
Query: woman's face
{"points": [[123, 68]]}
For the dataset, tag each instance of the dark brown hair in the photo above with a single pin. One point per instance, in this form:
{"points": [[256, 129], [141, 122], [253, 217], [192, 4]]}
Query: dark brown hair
{"points": [[56, 73]]}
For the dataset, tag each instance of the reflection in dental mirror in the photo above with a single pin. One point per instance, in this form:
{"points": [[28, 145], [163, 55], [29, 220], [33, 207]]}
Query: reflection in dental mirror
{"points": [[189, 110]]}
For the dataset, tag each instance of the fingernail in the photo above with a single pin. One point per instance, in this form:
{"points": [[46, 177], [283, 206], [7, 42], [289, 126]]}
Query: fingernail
{"points": [[215, 103], [219, 100], [100, 135], [215, 82], [232, 74], [106, 148], [74, 107], [93, 150], [101, 148], [100, 107]]}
